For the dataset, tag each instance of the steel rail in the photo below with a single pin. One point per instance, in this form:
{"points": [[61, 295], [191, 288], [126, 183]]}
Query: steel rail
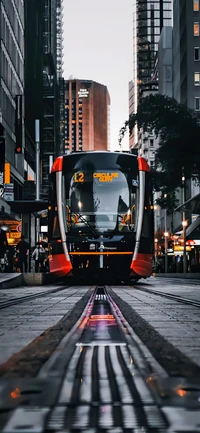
{"points": [[176, 298], [100, 378], [20, 300]]}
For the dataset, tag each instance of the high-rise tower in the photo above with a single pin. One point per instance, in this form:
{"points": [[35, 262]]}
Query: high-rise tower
{"points": [[149, 17], [87, 116]]}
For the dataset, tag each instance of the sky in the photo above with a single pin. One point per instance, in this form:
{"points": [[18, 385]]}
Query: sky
{"points": [[98, 46]]}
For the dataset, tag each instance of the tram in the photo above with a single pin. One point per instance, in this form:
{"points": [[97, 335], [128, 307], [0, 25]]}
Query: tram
{"points": [[100, 216]]}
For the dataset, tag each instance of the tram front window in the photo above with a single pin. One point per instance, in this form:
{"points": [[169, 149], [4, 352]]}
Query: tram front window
{"points": [[101, 201]]}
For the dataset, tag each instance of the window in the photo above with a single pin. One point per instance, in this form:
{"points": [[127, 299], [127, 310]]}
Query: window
{"points": [[151, 142], [196, 29], [197, 78], [196, 54], [195, 5], [197, 104]]}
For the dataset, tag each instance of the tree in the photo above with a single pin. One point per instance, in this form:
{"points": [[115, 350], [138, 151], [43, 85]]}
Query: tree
{"points": [[178, 129]]}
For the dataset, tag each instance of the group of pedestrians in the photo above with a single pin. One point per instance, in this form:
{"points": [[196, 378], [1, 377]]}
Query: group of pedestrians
{"points": [[17, 259]]}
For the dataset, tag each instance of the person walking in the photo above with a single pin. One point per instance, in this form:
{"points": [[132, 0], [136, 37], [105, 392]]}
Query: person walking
{"points": [[3, 248], [23, 249], [39, 256]]}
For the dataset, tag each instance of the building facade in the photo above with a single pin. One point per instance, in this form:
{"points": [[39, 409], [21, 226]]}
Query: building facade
{"points": [[149, 17], [186, 67], [87, 116], [186, 53], [44, 89], [11, 97]]}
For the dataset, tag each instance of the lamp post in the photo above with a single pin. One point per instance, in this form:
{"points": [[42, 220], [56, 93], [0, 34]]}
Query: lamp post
{"points": [[166, 239], [156, 252], [166, 245], [184, 224]]}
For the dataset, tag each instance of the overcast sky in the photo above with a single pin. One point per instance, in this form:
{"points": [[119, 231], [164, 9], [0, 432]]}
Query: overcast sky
{"points": [[98, 46]]}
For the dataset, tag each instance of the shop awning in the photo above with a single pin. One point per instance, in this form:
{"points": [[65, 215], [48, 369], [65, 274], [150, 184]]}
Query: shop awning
{"points": [[28, 206], [192, 205], [193, 233]]}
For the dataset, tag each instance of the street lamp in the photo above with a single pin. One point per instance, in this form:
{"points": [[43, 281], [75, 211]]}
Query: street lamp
{"points": [[166, 234], [156, 251], [184, 224]]}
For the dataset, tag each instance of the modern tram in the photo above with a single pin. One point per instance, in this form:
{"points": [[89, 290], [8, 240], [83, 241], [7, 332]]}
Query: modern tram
{"points": [[101, 216]]}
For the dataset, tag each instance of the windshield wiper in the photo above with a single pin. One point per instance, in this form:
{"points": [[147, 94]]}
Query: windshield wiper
{"points": [[87, 224]]}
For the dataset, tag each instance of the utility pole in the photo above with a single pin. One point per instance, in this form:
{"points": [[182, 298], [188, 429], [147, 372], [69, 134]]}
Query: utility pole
{"points": [[166, 242], [184, 225], [37, 143]]}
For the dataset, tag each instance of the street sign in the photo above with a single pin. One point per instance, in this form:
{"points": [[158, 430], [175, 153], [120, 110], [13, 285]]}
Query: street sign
{"points": [[8, 191]]}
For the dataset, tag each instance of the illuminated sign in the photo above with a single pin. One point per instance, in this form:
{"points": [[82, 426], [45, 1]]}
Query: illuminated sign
{"points": [[83, 93], [79, 177], [180, 248], [102, 177], [105, 177]]}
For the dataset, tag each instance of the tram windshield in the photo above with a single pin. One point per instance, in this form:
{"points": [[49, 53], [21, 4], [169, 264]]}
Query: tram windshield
{"points": [[100, 202]]}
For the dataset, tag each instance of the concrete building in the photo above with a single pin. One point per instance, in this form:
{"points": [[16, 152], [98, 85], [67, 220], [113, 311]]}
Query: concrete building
{"points": [[87, 116], [165, 64], [186, 53], [186, 61], [11, 103], [148, 20]]}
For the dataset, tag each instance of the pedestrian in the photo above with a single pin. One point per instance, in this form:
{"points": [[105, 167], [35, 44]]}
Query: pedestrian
{"points": [[23, 250], [193, 264], [39, 256], [10, 257], [3, 248]]}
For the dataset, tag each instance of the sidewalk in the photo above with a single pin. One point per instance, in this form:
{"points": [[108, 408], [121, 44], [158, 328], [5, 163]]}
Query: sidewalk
{"points": [[10, 280], [188, 275]]}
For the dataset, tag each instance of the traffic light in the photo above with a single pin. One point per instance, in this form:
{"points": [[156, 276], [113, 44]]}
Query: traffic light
{"points": [[18, 124]]}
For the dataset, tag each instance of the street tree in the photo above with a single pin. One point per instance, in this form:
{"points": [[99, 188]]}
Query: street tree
{"points": [[178, 129]]}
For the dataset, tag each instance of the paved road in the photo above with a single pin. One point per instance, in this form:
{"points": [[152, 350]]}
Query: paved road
{"points": [[178, 323], [21, 324]]}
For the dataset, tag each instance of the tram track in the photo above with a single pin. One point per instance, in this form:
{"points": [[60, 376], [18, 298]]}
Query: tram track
{"points": [[176, 298], [101, 378], [20, 299]]}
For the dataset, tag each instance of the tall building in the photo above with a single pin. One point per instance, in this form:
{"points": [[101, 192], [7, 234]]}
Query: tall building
{"points": [[53, 89], [44, 89], [186, 66], [186, 49], [149, 17], [33, 84], [11, 98], [87, 116]]}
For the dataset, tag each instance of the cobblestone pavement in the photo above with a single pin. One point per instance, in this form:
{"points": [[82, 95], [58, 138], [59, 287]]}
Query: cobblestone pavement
{"points": [[21, 324], [176, 322]]}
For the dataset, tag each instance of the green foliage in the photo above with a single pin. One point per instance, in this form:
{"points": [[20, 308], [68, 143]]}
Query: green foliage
{"points": [[178, 129]]}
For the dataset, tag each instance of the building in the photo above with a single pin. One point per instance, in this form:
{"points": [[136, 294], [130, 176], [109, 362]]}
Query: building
{"points": [[148, 20], [44, 90], [186, 74], [165, 64], [186, 49], [186, 61], [53, 89], [33, 86], [12, 104], [87, 116]]}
